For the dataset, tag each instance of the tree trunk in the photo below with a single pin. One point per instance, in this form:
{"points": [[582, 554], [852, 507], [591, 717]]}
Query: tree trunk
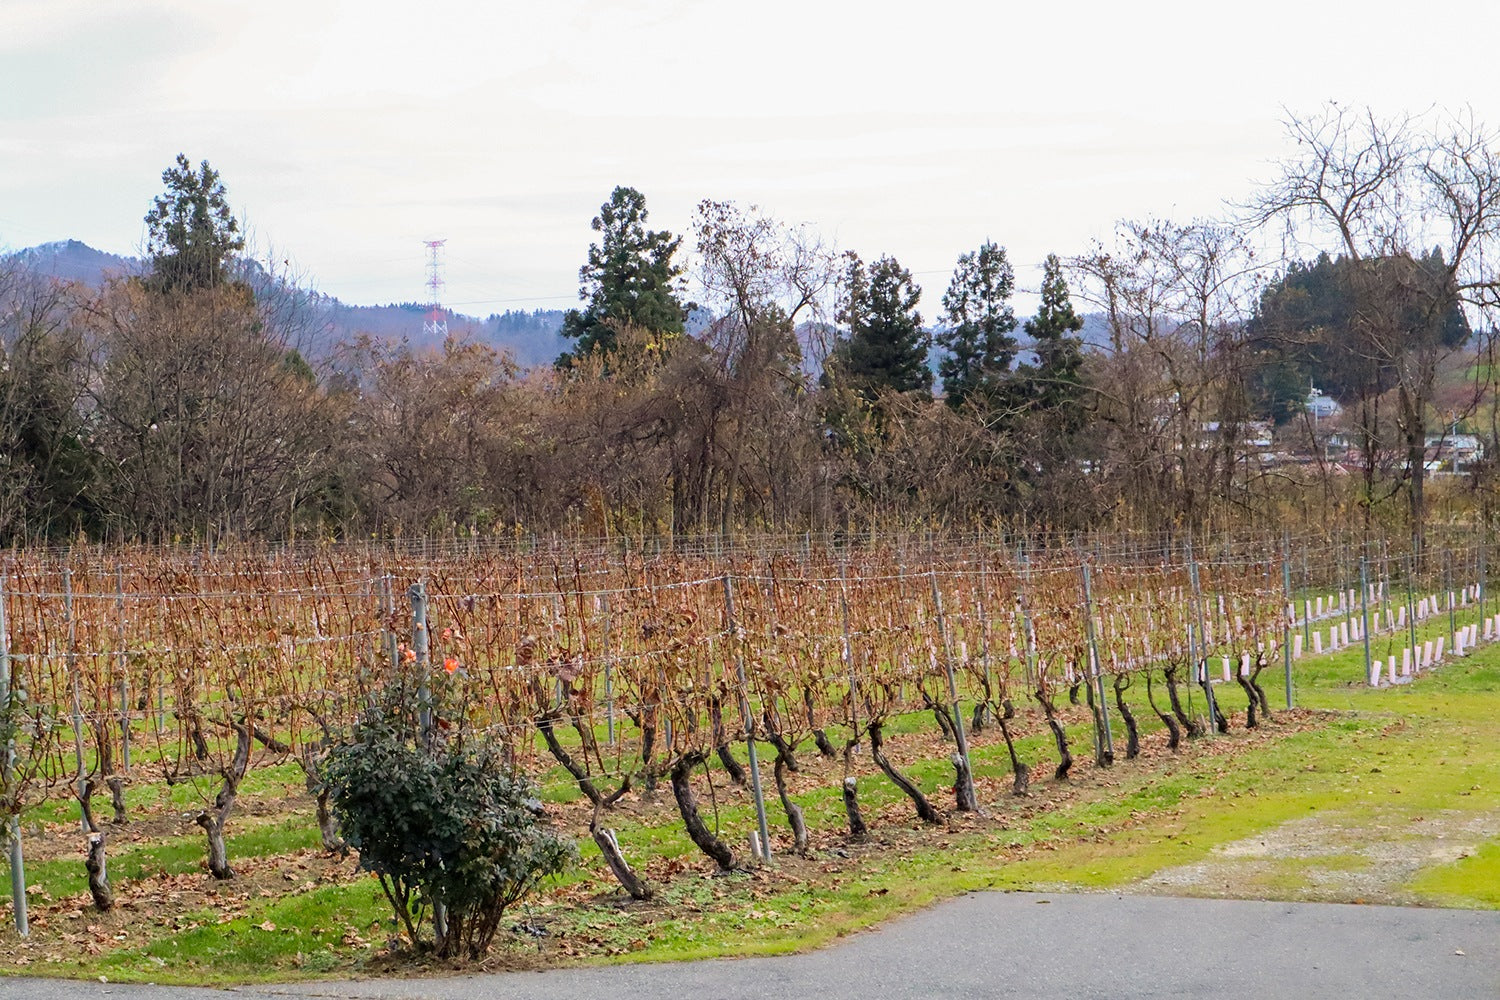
{"points": [[545, 724], [1250, 720], [976, 724], [925, 811], [328, 827], [1174, 733], [1103, 755], [964, 799], [1020, 773], [195, 732], [824, 744], [940, 713], [615, 858], [687, 808], [94, 864], [86, 805], [777, 740], [117, 798], [648, 743], [1133, 736], [218, 853], [1189, 725], [1260, 692], [1064, 757], [857, 828], [793, 811], [1219, 721], [721, 743], [213, 820], [731, 766]]}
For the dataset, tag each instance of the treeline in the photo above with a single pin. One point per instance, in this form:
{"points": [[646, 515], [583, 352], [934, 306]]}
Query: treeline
{"points": [[800, 395]]}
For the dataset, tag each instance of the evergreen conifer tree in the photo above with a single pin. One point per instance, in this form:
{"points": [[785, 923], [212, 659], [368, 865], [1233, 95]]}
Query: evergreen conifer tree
{"points": [[630, 279], [886, 347], [980, 321]]}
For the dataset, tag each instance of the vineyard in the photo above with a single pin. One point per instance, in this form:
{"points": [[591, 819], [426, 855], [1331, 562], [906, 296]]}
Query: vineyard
{"points": [[610, 674]]}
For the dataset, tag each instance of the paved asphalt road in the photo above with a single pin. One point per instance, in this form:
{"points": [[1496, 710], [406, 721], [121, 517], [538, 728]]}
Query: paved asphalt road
{"points": [[1033, 945]]}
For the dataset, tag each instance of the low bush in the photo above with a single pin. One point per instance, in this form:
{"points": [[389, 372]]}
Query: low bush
{"points": [[450, 833]]}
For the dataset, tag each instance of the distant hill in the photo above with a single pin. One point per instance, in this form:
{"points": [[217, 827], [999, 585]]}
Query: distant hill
{"points": [[70, 260], [532, 338]]}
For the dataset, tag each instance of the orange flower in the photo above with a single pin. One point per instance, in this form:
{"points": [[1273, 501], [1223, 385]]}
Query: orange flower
{"points": [[450, 664], [411, 656]]}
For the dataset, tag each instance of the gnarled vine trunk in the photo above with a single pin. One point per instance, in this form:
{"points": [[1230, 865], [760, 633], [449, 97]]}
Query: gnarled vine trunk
{"points": [[609, 846], [925, 810], [1219, 721], [1132, 734], [687, 808], [94, 864], [793, 811], [1059, 736], [721, 743], [1020, 772], [1189, 725], [964, 799], [1174, 732], [213, 820], [545, 724], [1104, 755], [1251, 721], [857, 828], [820, 738]]}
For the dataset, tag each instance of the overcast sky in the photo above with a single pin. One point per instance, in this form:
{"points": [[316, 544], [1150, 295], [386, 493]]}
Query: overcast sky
{"points": [[349, 132]]}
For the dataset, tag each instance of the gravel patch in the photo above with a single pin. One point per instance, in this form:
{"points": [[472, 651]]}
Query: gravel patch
{"points": [[1331, 857]]}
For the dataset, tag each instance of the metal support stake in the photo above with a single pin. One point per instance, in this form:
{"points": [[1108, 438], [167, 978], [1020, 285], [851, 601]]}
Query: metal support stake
{"points": [[1411, 608], [609, 680], [13, 822], [82, 775], [420, 645], [984, 632], [1108, 746], [1200, 657], [1452, 603], [417, 594], [958, 715], [1484, 587], [124, 664], [1286, 629], [1364, 611], [739, 666], [848, 655]]}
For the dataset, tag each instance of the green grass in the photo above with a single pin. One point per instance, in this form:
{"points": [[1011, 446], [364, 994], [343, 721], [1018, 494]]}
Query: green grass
{"points": [[1473, 881]]}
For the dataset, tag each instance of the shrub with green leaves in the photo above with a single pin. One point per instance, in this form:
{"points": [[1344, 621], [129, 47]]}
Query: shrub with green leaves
{"points": [[443, 827]]}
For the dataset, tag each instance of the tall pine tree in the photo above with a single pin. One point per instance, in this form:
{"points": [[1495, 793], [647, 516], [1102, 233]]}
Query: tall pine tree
{"points": [[630, 279], [886, 347], [192, 236], [979, 323], [1054, 385]]}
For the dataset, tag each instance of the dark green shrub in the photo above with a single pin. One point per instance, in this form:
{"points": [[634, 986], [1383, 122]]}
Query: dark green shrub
{"points": [[446, 828]]}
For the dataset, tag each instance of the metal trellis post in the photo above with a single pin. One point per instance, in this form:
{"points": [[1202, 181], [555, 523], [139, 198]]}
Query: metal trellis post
{"points": [[17, 860], [958, 715], [739, 666]]}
